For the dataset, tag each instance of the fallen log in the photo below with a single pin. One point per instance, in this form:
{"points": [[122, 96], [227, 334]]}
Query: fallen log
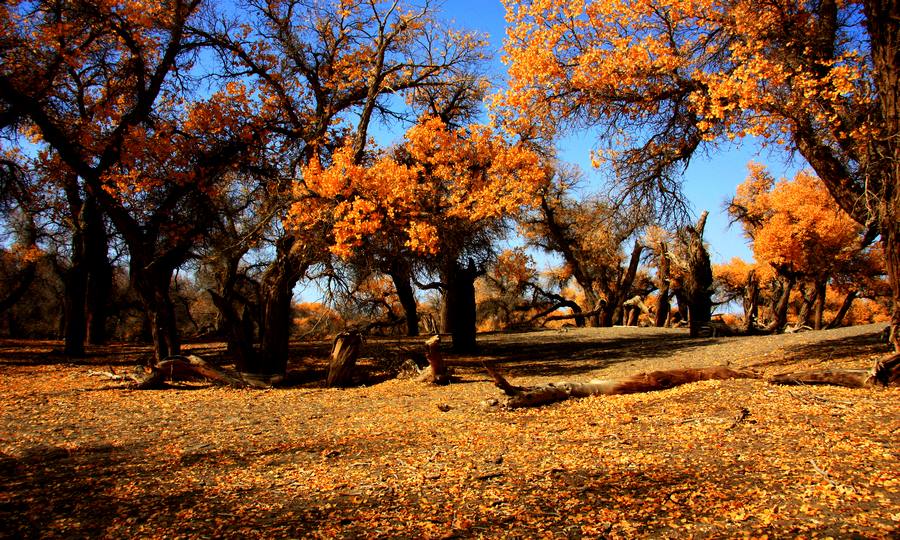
{"points": [[518, 396], [885, 372], [188, 367]]}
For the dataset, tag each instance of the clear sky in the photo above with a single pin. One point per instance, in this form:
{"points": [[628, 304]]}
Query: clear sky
{"points": [[709, 181]]}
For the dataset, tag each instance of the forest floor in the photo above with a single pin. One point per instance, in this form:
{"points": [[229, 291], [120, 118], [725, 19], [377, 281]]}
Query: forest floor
{"points": [[83, 456]]}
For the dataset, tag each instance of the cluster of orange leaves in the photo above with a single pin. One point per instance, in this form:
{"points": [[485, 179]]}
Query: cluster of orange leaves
{"points": [[440, 174], [623, 57], [797, 224]]}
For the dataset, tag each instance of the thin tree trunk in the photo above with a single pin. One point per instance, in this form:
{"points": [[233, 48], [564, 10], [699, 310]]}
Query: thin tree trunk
{"points": [[400, 275], [842, 312], [662, 277]]}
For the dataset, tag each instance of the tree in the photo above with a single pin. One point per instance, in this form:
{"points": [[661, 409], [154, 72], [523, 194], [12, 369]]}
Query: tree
{"points": [[670, 79], [102, 86], [798, 230], [447, 193], [324, 71], [591, 236]]}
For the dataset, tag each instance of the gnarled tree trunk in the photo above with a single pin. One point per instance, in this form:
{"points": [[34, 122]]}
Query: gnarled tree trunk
{"points": [[401, 276], [698, 283], [459, 310], [344, 353], [276, 297], [641, 382]]}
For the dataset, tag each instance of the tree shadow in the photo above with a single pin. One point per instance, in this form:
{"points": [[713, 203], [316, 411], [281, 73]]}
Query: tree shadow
{"points": [[823, 352], [55, 492], [554, 354]]}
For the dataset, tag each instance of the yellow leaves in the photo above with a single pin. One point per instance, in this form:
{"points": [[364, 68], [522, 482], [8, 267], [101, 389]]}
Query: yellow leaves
{"points": [[795, 223], [470, 175]]}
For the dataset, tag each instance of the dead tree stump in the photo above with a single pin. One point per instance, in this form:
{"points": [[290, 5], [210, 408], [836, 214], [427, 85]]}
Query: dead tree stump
{"points": [[437, 372], [344, 353]]}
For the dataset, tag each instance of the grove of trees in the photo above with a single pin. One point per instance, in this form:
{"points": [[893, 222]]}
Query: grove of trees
{"points": [[179, 167]]}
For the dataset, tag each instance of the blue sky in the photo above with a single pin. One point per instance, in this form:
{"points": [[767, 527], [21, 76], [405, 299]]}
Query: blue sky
{"points": [[709, 181]]}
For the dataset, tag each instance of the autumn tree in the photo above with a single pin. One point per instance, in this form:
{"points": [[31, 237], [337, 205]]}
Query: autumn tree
{"points": [[324, 72], [798, 230], [663, 81], [100, 86], [591, 235], [447, 191], [740, 281]]}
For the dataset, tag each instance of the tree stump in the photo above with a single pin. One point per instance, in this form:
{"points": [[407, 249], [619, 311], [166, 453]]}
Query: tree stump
{"points": [[437, 372], [344, 353]]}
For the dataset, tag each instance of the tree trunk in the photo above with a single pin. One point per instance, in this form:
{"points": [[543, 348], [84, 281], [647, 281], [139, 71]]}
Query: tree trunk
{"points": [[751, 302], [842, 312], [239, 333], [819, 311], [437, 372], [400, 275], [152, 282], [698, 283], [75, 282], [623, 287], [662, 277], [804, 314], [276, 297], [344, 353], [883, 24], [75, 278], [99, 272], [884, 373], [459, 312], [594, 302], [780, 308], [187, 368]]}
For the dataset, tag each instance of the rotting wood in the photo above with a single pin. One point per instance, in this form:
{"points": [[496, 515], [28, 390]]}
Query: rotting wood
{"points": [[886, 372], [436, 372], [642, 382], [344, 353], [187, 367]]}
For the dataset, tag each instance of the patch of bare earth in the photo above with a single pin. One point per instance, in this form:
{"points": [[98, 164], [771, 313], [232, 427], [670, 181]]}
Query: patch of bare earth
{"points": [[80, 456]]}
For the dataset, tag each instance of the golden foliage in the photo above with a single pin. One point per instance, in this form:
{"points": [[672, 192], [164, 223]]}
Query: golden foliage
{"points": [[439, 175]]}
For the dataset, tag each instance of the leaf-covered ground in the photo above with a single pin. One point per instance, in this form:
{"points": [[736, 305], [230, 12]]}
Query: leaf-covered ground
{"points": [[82, 457]]}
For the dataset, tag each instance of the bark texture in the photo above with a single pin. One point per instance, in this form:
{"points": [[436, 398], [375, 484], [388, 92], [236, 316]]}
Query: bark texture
{"points": [[517, 397], [344, 353]]}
